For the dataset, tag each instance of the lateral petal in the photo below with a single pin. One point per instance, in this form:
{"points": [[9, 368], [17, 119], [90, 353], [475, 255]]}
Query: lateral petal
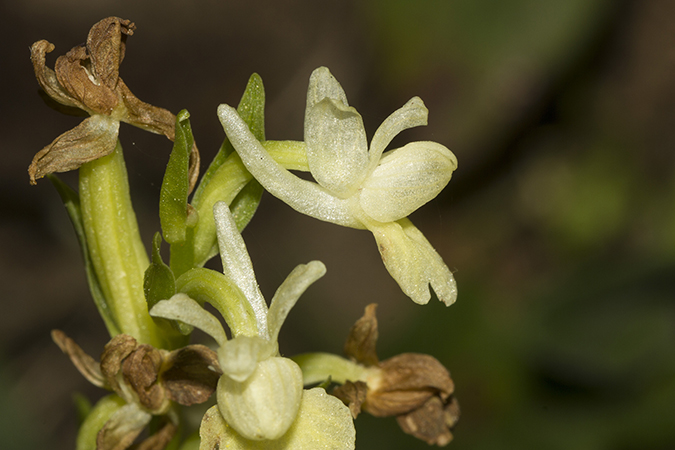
{"points": [[94, 138], [406, 179], [412, 114], [290, 291]]}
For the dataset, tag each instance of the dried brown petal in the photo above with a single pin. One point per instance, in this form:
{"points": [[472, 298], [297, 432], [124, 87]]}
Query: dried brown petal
{"points": [[156, 120], [407, 382], [430, 422], [160, 439], [120, 431], [362, 339], [352, 395], [192, 374], [73, 71], [112, 357], [46, 76], [141, 371], [94, 138], [84, 363], [106, 46]]}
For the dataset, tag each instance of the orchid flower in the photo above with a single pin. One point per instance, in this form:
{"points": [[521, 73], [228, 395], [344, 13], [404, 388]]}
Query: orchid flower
{"points": [[361, 187], [260, 394]]}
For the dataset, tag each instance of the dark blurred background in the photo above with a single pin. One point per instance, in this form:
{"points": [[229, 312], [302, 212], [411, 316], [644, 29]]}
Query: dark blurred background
{"points": [[559, 223]]}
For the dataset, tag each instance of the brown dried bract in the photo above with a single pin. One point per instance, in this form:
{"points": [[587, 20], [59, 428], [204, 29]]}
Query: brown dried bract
{"points": [[416, 388], [148, 379], [87, 77]]}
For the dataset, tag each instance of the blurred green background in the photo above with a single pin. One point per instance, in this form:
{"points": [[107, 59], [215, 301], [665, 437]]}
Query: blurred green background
{"points": [[559, 223]]}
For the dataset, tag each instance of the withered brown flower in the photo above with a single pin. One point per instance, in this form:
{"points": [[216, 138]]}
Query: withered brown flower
{"points": [[415, 388], [149, 380], [87, 78]]}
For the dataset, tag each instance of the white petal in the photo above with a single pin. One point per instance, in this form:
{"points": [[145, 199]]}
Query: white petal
{"points": [[303, 196], [412, 114], [413, 262], [323, 422], [239, 357], [337, 148], [183, 308], [406, 179], [237, 264], [290, 291], [322, 84]]}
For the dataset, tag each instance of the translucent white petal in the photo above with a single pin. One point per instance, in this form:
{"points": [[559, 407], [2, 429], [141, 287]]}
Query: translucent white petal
{"points": [[322, 84], [239, 357], [266, 404], [406, 179], [323, 422], [304, 196], [413, 262], [337, 148], [237, 264], [412, 114], [183, 308], [290, 291]]}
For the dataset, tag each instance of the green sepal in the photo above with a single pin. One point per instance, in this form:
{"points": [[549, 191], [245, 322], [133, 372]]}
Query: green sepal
{"points": [[173, 207], [71, 201]]}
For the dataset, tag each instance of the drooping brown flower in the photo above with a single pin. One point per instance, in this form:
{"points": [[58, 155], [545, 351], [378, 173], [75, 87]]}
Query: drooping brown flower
{"points": [[87, 78], [415, 388], [149, 380]]}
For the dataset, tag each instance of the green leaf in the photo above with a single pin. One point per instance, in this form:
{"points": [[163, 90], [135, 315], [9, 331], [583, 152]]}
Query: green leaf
{"points": [[71, 200], [228, 180], [252, 110], [173, 207], [159, 284], [246, 203], [252, 106]]}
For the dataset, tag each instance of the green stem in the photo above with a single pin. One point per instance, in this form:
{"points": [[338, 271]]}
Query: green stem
{"points": [[117, 252]]}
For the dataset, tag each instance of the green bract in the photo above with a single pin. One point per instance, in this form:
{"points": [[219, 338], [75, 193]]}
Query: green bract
{"points": [[361, 187]]}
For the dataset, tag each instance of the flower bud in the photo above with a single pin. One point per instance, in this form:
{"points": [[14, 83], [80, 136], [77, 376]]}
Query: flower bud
{"points": [[264, 405]]}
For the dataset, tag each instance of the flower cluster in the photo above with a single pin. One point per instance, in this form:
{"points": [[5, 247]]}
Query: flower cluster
{"points": [[263, 399]]}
